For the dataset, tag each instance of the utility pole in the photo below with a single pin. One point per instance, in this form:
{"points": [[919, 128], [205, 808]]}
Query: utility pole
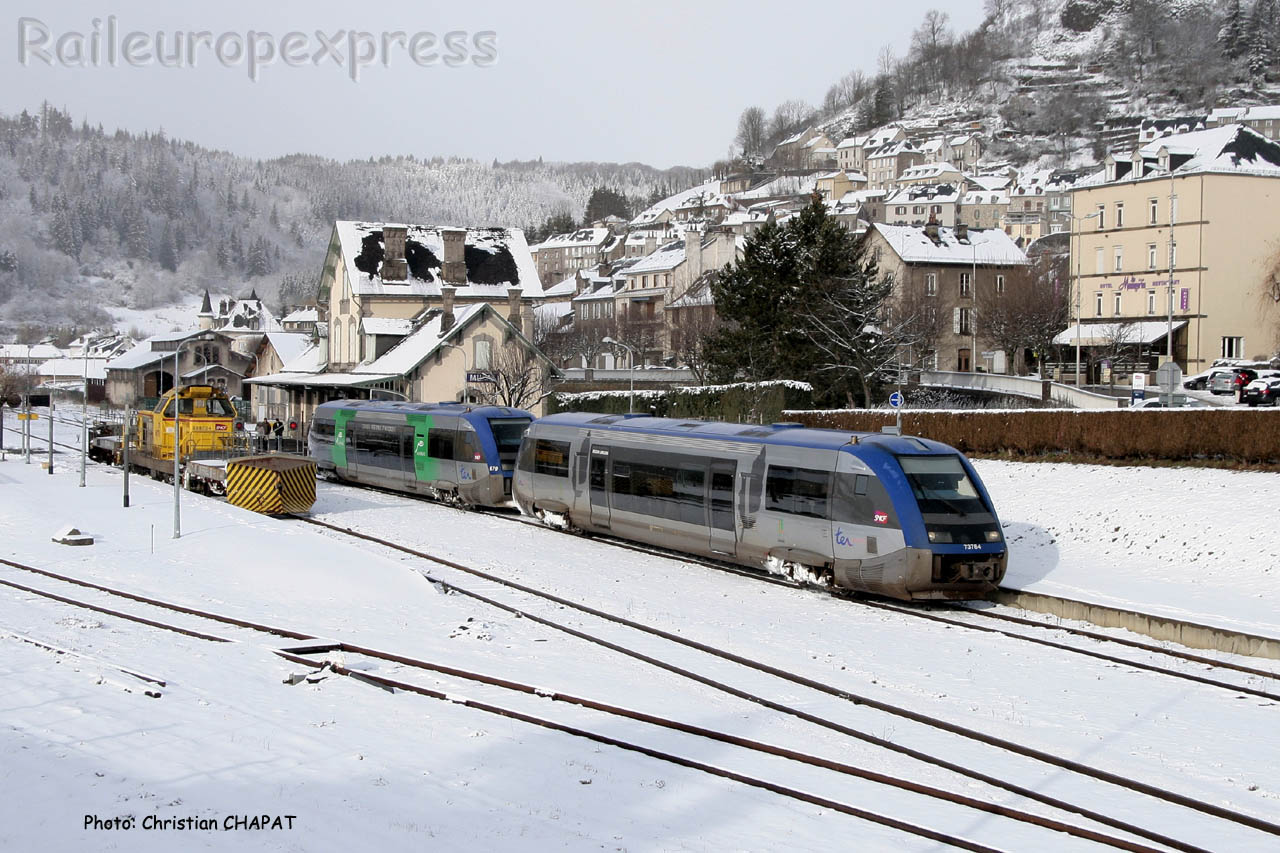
{"points": [[1173, 198]]}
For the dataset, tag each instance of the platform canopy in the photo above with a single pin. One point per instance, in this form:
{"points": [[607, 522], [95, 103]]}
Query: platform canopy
{"points": [[1105, 334]]}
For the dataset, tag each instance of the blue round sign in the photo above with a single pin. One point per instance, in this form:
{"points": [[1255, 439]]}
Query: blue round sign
{"points": [[896, 399]]}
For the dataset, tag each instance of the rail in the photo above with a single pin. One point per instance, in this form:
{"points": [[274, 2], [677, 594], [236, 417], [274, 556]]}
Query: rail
{"points": [[1021, 386]]}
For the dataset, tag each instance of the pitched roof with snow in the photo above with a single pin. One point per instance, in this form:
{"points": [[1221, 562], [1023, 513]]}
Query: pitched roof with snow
{"points": [[674, 202], [1230, 149], [496, 259], [288, 345], [990, 246], [302, 315], [581, 238], [928, 172], [668, 257]]}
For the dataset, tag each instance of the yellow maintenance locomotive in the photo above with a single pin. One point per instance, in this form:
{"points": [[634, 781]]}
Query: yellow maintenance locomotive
{"points": [[213, 453], [206, 420]]}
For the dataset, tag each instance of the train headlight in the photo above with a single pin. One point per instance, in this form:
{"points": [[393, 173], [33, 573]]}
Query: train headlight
{"points": [[993, 535], [937, 536]]}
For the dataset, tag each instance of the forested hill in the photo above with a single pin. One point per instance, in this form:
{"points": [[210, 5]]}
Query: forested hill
{"points": [[1049, 81], [90, 219]]}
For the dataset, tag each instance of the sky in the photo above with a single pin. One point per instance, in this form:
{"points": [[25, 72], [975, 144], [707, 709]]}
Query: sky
{"points": [[661, 82]]}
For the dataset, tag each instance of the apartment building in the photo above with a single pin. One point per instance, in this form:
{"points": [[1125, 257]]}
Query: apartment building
{"points": [[1201, 203]]}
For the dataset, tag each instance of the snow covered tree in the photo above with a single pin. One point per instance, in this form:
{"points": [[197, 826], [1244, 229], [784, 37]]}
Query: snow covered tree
{"points": [[774, 302]]}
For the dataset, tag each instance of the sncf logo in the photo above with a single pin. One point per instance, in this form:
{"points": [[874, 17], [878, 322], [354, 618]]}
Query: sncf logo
{"points": [[881, 518], [220, 427]]}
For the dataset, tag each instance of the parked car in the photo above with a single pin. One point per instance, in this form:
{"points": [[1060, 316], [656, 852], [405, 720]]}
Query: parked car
{"points": [[1223, 382], [1201, 381], [1262, 392], [1179, 401]]}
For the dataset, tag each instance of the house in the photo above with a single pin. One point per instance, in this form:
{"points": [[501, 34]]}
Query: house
{"points": [[920, 203], [931, 173], [949, 271], [790, 153], [301, 320], [147, 371], [378, 271], [74, 376], [1214, 193], [886, 163], [833, 185], [857, 208], [565, 254], [980, 208], [851, 152], [819, 153], [471, 352]]}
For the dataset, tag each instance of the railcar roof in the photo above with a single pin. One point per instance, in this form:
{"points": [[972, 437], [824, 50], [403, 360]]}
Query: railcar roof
{"points": [[790, 434], [443, 408]]}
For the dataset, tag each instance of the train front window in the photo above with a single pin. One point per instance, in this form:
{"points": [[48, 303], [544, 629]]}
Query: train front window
{"points": [[507, 433], [941, 485], [216, 407]]}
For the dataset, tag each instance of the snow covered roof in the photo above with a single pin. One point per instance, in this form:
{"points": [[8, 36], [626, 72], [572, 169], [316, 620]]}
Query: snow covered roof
{"points": [[496, 259], [244, 315], [893, 149], [567, 287], [289, 345], [96, 367], [20, 352], [674, 202], [990, 182], [425, 340], [986, 246], [302, 315], [985, 197], [1230, 149], [1100, 334], [581, 238], [668, 257], [928, 171], [386, 325], [852, 142], [924, 192], [781, 186]]}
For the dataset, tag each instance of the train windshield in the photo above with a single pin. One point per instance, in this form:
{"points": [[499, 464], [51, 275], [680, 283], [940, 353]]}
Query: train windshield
{"points": [[941, 485], [507, 433]]}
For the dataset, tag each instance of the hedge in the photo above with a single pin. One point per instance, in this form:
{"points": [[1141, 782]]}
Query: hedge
{"points": [[1244, 435], [747, 402]]}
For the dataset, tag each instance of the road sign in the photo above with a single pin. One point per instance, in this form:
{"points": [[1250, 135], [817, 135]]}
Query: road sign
{"points": [[1169, 375], [896, 399]]}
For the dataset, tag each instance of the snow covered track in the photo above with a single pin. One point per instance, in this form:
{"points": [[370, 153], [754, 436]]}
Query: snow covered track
{"points": [[302, 656], [968, 611], [299, 655], [636, 649]]}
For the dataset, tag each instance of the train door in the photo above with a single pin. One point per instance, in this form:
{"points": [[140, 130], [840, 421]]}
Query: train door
{"points": [[720, 506], [599, 486]]}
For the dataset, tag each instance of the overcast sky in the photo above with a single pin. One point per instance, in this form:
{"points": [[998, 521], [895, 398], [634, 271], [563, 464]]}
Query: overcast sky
{"points": [[659, 82]]}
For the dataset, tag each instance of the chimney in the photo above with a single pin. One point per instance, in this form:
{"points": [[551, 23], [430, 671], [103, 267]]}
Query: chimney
{"points": [[455, 265], [513, 307], [931, 229], [446, 304], [394, 265], [962, 232]]}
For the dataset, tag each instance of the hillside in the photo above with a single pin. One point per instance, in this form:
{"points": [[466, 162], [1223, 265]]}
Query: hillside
{"points": [[91, 220], [1055, 82]]}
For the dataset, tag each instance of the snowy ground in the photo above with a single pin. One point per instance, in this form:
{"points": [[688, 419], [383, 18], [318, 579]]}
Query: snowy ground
{"points": [[359, 768]]}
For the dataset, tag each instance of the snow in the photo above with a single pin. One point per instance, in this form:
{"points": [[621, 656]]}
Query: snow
{"points": [[984, 246], [235, 731]]}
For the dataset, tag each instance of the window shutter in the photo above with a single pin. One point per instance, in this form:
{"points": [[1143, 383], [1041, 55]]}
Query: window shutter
{"points": [[955, 320]]}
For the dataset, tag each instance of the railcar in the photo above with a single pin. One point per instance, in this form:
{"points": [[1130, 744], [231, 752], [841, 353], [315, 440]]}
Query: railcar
{"points": [[451, 452], [893, 515], [208, 428]]}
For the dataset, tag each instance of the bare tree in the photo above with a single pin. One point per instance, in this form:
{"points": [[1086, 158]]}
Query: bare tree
{"points": [[921, 324], [788, 117], [692, 328], [750, 138], [521, 377], [1027, 315], [640, 331], [1118, 340]]}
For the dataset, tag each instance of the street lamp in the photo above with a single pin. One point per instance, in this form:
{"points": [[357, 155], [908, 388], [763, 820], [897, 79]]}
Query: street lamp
{"points": [[1079, 286], [84, 411], [466, 384], [631, 356], [1168, 390], [177, 431]]}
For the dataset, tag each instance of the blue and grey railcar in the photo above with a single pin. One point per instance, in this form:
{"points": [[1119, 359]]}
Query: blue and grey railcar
{"points": [[447, 451], [894, 515]]}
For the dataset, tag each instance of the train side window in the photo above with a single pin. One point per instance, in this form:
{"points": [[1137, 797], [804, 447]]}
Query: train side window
{"points": [[551, 457], [797, 491], [440, 443], [465, 447], [322, 429], [524, 461], [859, 484]]}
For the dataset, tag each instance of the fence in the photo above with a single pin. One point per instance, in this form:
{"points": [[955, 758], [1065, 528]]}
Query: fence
{"points": [[1022, 386]]}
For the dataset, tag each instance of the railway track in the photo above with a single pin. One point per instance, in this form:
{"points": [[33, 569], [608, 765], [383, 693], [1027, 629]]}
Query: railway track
{"points": [[951, 614], [306, 654], [926, 721]]}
